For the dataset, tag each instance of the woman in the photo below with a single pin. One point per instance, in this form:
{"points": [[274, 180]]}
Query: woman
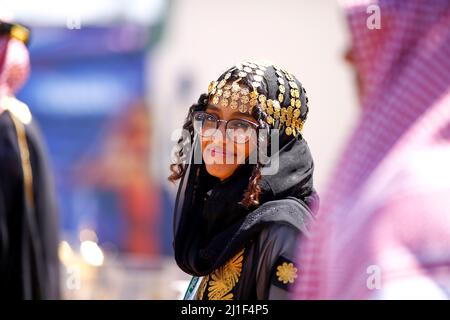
{"points": [[238, 214]]}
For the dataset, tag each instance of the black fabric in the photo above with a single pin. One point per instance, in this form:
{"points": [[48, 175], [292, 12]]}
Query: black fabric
{"points": [[29, 266], [209, 229]]}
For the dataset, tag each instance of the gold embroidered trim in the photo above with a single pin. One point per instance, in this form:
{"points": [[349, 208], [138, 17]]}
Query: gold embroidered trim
{"points": [[201, 289], [221, 282], [20, 115]]}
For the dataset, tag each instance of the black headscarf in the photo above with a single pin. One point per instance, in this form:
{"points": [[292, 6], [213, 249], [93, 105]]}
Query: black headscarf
{"points": [[211, 224]]}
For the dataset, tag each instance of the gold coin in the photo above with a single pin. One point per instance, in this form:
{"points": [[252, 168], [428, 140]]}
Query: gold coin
{"points": [[222, 83], [243, 108], [211, 86], [233, 104], [253, 102], [259, 72], [242, 74], [244, 91], [224, 102], [235, 87], [288, 131], [262, 98], [257, 78], [226, 93], [219, 92], [269, 120], [245, 99], [296, 113], [298, 103], [215, 100], [254, 94], [263, 106], [227, 76], [282, 88], [276, 105], [280, 97], [256, 84], [248, 70]]}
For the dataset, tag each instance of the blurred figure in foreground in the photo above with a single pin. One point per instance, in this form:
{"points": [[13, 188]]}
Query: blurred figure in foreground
{"points": [[28, 219], [384, 228]]}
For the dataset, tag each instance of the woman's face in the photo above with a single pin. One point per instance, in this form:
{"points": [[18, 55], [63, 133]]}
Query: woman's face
{"points": [[222, 154]]}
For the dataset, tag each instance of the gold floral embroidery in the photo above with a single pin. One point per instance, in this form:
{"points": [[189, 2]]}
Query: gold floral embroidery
{"points": [[224, 279], [286, 273]]}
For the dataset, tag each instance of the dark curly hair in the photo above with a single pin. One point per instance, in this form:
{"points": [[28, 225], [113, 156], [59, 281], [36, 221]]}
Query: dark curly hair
{"points": [[178, 169]]}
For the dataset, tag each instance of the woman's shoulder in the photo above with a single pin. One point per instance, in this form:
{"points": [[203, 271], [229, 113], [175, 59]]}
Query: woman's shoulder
{"points": [[286, 217], [274, 258], [278, 237]]}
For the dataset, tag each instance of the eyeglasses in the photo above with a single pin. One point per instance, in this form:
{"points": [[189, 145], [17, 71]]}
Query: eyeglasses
{"points": [[15, 30], [237, 130]]}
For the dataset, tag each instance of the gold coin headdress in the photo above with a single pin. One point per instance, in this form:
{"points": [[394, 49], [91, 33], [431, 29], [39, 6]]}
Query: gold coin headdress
{"points": [[264, 91]]}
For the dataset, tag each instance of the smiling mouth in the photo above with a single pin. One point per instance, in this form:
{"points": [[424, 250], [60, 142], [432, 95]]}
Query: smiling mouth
{"points": [[220, 152]]}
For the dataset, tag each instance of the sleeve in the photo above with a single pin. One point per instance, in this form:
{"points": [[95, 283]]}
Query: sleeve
{"points": [[276, 270], [3, 235], [46, 214]]}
